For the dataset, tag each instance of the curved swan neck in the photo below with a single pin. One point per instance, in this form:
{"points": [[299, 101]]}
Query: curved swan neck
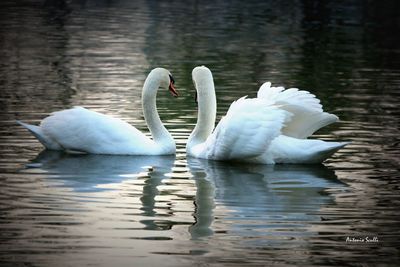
{"points": [[207, 108], [149, 94]]}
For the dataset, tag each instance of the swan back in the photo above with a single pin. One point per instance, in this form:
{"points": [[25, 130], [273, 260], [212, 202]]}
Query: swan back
{"points": [[92, 132]]}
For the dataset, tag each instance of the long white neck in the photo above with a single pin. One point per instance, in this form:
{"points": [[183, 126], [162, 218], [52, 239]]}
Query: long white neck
{"points": [[207, 110], [159, 133]]}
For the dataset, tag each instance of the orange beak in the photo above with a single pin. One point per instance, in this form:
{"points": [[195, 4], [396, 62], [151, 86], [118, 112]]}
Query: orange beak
{"points": [[172, 89]]}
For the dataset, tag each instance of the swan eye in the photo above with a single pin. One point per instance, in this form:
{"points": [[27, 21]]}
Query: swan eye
{"points": [[171, 78]]}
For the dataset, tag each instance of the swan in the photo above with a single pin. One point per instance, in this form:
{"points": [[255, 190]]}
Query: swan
{"points": [[82, 130], [271, 128]]}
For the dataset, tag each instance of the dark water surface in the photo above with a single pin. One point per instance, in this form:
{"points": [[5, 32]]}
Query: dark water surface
{"points": [[88, 210]]}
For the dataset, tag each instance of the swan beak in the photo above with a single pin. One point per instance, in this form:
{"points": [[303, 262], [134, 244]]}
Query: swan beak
{"points": [[172, 89]]}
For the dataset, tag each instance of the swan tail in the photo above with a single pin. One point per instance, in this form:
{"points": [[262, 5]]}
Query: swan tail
{"points": [[326, 151], [285, 149], [46, 141]]}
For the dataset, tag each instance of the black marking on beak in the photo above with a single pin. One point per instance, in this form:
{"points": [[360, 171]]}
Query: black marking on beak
{"points": [[171, 86], [171, 78]]}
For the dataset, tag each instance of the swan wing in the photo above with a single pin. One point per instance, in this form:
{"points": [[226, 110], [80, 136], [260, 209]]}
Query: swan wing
{"points": [[246, 131], [89, 131], [292, 96], [308, 115]]}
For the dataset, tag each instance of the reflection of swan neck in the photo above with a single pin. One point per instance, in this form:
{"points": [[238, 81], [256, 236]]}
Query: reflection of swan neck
{"points": [[149, 94], [205, 205], [207, 106]]}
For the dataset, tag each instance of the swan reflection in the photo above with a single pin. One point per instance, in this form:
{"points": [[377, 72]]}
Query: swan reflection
{"points": [[259, 201], [87, 172], [251, 197]]}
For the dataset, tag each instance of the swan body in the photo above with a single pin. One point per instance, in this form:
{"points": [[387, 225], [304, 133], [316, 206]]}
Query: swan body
{"points": [[269, 129], [83, 130]]}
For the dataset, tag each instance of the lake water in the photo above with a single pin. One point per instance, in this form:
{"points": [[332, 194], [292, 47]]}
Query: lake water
{"points": [[92, 210]]}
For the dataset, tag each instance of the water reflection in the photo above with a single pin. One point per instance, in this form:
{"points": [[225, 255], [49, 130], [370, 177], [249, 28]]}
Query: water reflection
{"points": [[86, 172], [260, 196], [277, 199]]}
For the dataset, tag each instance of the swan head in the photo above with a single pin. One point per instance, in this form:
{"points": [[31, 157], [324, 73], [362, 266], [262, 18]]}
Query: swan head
{"points": [[166, 79], [201, 75], [203, 81]]}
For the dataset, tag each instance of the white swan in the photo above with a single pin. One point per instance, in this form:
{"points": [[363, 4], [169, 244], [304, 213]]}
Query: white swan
{"points": [[271, 128], [79, 129]]}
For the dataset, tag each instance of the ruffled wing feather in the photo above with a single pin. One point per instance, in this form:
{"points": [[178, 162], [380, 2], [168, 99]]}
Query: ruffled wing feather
{"points": [[308, 115], [246, 131]]}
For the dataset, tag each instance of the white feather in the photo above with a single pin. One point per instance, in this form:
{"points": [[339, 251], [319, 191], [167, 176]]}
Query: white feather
{"points": [[92, 132], [245, 117], [308, 115]]}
